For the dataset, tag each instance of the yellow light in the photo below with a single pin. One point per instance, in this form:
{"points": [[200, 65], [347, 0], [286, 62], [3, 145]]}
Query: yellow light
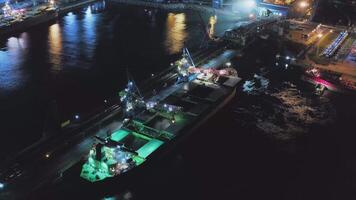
{"points": [[176, 33], [55, 46], [320, 35], [212, 22], [303, 4]]}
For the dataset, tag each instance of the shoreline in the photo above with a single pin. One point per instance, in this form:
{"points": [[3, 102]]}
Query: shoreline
{"points": [[63, 9], [47, 17], [70, 7], [175, 6]]}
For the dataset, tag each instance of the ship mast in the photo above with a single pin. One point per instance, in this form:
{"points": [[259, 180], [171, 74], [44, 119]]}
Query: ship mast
{"points": [[130, 97]]}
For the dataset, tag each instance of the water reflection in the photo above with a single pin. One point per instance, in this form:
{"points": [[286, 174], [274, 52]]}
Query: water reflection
{"points": [[80, 36], [55, 46], [176, 32], [98, 7], [11, 59], [212, 22], [70, 37], [89, 31]]}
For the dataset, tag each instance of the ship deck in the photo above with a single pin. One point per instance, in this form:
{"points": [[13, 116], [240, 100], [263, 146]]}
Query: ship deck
{"points": [[151, 129]]}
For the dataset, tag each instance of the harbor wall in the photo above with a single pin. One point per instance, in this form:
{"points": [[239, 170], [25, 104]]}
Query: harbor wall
{"points": [[175, 6], [28, 23], [68, 7], [72, 6]]}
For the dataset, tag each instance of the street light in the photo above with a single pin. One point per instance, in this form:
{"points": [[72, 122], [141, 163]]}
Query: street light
{"points": [[303, 4], [244, 6], [250, 4]]}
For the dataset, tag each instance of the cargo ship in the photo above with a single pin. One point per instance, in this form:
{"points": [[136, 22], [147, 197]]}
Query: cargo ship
{"points": [[153, 126]]}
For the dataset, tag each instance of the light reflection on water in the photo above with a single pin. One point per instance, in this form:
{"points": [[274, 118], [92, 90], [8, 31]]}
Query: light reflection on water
{"points": [[11, 76], [79, 36], [55, 46], [89, 32], [77, 57], [175, 33], [212, 21], [73, 39]]}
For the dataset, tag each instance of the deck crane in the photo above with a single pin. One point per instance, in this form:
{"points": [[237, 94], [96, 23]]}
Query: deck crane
{"points": [[132, 101], [131, 97], [184, 64], [186, 67]]}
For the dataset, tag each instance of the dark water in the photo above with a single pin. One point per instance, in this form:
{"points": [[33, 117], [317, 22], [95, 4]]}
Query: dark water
{"points": [[332, 13], [81, 59], [275, 140]]}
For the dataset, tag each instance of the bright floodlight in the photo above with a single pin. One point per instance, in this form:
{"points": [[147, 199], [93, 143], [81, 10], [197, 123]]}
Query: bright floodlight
{"points": [[303, 4], [250, 3], [244, 6], [2, 185]]}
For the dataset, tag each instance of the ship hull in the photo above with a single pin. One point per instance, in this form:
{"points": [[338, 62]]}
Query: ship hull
{"points": [[124, 179]]}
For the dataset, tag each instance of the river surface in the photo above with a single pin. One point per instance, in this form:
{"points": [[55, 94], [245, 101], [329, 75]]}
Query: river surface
{"points": [[275, 140]]}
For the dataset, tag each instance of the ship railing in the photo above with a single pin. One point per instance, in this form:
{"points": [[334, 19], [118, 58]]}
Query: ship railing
{"points": [[151, 132]]}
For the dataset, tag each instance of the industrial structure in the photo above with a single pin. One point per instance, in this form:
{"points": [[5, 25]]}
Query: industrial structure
{"points": [[153, 124]]}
